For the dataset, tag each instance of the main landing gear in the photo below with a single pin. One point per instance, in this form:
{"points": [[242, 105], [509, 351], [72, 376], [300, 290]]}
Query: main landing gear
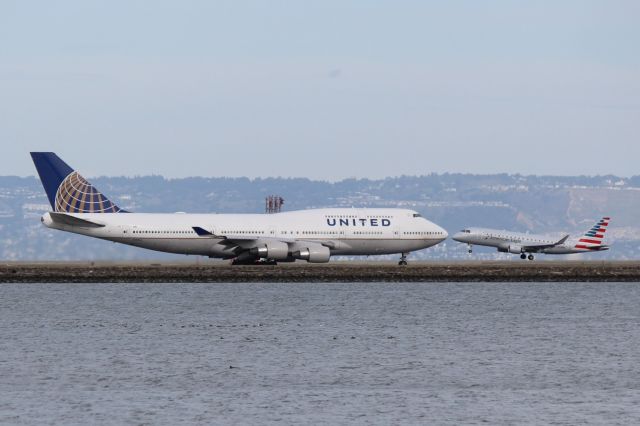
{"points": [[403, 260], [524, 256], [470, 248]]}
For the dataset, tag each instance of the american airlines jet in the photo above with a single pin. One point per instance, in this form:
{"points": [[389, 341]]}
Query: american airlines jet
{"points": [[311, 235], [520, 243]]}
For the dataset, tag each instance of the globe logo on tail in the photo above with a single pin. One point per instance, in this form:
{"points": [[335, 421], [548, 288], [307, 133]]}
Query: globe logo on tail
{"points": [[76, 195]]}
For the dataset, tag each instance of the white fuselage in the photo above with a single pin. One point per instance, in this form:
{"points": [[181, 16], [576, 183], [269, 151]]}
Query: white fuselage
{"points": [[344, 231], [513, 242]]}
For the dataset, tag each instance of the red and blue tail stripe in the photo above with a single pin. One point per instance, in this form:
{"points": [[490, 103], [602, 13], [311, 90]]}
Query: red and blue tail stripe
{"points": [[592, 239]]}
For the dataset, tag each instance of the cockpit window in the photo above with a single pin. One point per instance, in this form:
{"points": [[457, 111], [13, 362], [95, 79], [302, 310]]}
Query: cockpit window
{"points": [[466, 231], [417, 215]]}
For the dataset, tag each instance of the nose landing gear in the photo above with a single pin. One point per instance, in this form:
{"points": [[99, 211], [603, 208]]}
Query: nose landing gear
{"points": [[403, 260], [470, 250]]}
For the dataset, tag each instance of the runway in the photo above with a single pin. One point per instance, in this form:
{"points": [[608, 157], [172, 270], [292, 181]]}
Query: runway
{"points": [[340, 271]]}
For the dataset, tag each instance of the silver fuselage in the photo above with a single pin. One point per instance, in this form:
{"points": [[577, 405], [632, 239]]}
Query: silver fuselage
{"points": [[513, 242]]}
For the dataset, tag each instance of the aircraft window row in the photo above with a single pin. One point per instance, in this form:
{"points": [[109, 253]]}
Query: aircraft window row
{"points": [[319, 233], [160, 232], [517, 240], [379, 217], [421, 233], [242, 232], [508, 238], [368, 233]]}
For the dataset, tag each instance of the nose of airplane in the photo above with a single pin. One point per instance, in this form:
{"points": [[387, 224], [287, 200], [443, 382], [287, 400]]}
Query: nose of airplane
{"points": [[445, 234], [458, 236]]}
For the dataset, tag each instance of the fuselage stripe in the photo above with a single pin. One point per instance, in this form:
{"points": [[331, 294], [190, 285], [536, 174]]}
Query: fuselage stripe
{"points": [[586, 240], [581, 246]]}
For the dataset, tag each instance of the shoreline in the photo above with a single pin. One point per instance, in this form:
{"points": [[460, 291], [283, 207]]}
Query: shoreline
{"points": [[222, 272]]}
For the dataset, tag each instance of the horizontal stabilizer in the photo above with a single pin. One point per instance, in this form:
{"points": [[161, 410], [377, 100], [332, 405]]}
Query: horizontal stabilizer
{"points": [[65, 219]]}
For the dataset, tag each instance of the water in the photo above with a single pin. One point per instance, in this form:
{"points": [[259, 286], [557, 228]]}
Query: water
{"points": [[377, 353]]}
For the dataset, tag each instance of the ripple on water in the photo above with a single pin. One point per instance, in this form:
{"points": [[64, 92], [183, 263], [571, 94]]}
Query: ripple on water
{"points": [[320, 353]]}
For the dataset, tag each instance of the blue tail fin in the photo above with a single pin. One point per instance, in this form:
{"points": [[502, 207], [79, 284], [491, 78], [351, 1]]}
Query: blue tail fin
{"points": [[68, 191]]}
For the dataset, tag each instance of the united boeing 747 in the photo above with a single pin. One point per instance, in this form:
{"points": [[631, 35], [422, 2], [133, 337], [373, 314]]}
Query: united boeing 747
{"points": [[312, 235], [527, 244]]}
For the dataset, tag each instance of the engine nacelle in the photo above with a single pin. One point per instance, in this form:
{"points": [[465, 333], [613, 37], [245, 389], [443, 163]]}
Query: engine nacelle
{"points": [[511, 249], [515, 249], [313, 254], [275, 250]]}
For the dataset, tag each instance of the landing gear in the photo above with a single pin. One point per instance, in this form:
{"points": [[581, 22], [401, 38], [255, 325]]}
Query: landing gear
{"points": [[530, 257], [403, 260], [470, 249], [523, 256]]}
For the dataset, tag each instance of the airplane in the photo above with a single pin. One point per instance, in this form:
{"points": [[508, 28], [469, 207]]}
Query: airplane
{"points": [[521, 243], [313, 235]]}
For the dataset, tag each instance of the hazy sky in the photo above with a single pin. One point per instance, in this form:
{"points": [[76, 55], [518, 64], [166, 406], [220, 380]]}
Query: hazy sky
{"points": [[323, 89]]}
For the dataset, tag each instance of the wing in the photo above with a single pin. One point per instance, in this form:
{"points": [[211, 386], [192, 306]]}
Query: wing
{"points": [[233, 238], [251, 246], [534, 247]]}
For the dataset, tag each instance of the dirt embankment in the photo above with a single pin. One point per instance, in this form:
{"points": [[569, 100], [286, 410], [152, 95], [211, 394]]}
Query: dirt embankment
{"points": [[332, 272]]}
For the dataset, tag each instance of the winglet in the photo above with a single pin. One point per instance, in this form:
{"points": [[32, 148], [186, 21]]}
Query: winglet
{"points": [[562, 240], [201, 232]]}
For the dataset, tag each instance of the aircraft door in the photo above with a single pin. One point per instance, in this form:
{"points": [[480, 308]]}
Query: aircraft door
{"points": [[397, 232], [118, 231]]}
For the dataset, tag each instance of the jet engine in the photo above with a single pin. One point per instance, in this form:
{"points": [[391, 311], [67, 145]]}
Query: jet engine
{"points": [[313, 254], [511, 249], [276, 250]]}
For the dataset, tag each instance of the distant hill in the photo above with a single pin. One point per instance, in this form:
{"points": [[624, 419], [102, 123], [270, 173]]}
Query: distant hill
{"points": [[547, 204]]}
